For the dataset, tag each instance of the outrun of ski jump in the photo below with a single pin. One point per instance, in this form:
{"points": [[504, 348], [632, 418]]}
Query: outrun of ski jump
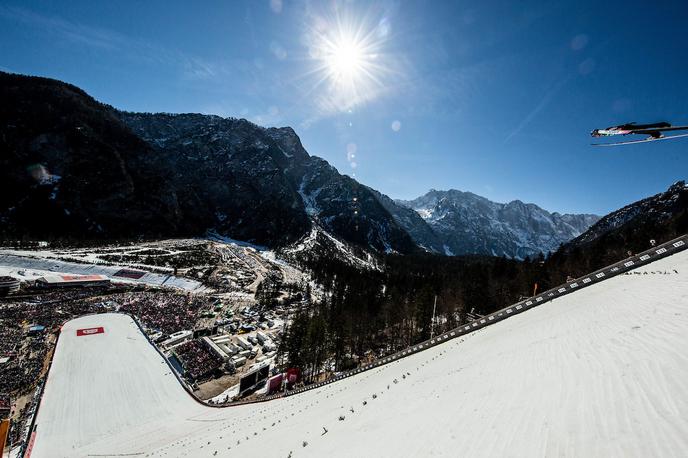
{"points": [[655, 131]]}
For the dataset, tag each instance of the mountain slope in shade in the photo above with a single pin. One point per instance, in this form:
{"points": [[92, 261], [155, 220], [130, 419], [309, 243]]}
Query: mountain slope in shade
{"points": [[411, 221], [660, 217], [232, 165], [69, 167], [73, 167], [466, 223]]}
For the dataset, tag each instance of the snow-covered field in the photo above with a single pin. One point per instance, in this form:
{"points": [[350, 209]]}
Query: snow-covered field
{"points": [[232, 265], [27, 267], [599, 372]]}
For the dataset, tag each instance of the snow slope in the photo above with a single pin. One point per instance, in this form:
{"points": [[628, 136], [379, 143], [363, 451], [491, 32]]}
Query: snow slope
{"points": [[599, 372]]}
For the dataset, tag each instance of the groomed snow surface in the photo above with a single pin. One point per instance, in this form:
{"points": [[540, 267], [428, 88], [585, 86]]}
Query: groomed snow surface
{"points": [[599, 372]]}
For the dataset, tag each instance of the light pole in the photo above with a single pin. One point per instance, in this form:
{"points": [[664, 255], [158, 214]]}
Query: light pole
{"points": [[432, 323]]}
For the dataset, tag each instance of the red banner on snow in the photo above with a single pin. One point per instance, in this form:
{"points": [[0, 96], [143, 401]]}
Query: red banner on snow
{"points": [[89, 331]]}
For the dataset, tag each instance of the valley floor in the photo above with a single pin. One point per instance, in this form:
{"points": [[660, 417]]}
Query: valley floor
{"points": [[599, 372], [28, 267]]}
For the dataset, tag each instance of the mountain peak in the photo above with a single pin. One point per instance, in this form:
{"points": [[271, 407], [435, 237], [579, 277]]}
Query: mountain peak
{"points": [[466, 223]]}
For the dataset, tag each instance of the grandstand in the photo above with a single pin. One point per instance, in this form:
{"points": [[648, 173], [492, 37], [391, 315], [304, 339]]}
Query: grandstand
{"points": [[129, 273], [62, 281], [598, 372], [8, 285], [51, 267]]}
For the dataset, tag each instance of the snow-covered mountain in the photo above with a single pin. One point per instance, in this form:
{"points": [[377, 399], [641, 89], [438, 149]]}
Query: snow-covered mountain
{"points": [[413, 223], [98, 173], [465, 223]]}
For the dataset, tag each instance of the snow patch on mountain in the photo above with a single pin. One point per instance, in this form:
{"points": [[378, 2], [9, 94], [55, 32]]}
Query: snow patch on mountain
{"points": [[310, 199], [319, 242]]}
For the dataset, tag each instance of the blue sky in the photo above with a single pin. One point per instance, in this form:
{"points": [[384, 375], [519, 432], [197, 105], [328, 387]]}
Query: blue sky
{"points": [[493, 97]]}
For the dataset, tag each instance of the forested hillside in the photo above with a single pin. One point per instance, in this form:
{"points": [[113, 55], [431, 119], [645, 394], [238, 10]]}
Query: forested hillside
{"points": [[372, 312]]}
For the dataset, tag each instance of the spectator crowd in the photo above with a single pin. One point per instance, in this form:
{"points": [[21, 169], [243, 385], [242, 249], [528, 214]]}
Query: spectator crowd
{"points": [[197, 360], [164, 311], [24, 354]]}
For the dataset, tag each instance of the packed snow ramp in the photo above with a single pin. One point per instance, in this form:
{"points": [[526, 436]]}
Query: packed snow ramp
{"points": [[599, 372]]}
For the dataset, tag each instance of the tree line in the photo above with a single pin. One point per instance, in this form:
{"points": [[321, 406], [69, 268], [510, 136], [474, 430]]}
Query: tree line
{"points": [[365, 313]]}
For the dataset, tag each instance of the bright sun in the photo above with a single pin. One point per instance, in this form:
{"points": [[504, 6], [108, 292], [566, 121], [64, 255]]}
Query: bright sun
{"points": [[346, 60], [349, 60]]}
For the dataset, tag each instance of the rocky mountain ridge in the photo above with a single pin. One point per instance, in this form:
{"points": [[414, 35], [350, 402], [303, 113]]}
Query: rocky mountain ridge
{"points": [[237, 167], [465, 223], [665, 212], [76, 168]]}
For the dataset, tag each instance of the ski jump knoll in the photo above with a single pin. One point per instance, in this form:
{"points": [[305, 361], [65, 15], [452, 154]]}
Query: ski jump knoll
{"points": [[599, 372]]}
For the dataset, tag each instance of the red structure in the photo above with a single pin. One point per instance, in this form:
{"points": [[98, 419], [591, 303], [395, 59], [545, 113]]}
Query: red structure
{"points": [[89, 331], [293, 375]]}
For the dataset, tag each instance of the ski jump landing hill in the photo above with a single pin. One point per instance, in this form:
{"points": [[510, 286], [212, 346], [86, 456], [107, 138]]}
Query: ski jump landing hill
{"points": [[599, 372]]}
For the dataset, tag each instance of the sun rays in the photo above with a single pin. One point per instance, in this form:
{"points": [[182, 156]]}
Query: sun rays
{"points": [[347, 60]]}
